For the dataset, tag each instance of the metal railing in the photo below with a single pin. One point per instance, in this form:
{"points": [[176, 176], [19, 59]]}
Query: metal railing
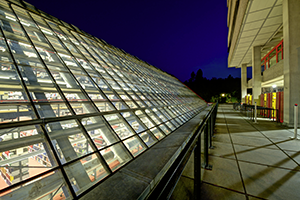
{"points": [[166, 186], [249, 111]]}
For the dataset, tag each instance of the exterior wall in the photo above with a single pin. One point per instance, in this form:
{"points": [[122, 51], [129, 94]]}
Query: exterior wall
{"points": [[250, 83], [291, 30], [243, 82], [256, 73], [273, 72]]}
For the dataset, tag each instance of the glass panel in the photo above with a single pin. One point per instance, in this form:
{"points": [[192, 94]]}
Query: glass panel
{"points": [[159, 135], [52, 110], [64, 79], [10, 113], [4, 54], [99, 131], [272, 61], [118, 125], [82, 108], [85, 173], [170, 125], [11, 28], [23, 53], [53, 182], [134, 145], [153, 117], [23, 154], [69, 140], [279, 56], [133, 122], [116, 156], [164, 129], [103, 106], [148, 138], [144, 118]]}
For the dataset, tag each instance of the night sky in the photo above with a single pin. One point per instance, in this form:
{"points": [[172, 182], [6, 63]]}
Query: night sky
{"points": [[178, 37]]}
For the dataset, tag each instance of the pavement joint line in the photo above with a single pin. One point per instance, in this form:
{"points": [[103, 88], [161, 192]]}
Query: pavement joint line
{"points": [[272, 141], [237, 162], [187, 177], [256, 147], [232, 190], [255, 163]]}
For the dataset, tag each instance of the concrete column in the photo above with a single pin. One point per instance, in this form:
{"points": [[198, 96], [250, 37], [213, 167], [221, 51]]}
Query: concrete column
{"points": [[256, 74], [244, 83], [291, 56]]}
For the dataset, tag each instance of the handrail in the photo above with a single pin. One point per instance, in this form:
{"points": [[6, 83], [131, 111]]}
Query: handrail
{"points": [[166, 186], [251, 108]]}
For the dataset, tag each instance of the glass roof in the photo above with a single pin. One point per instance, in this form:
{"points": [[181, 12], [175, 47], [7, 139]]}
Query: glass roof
{"points": [[73, 109]]}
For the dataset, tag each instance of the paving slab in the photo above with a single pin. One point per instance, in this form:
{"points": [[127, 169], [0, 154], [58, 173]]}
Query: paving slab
{"points": [[210, 192], [252, 141], [263, 159], [224, 173], [270, 182]]}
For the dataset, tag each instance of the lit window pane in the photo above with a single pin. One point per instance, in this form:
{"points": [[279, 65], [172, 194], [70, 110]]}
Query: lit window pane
{"points": [[53, 181], [118, 125], [69, 140], [23, 154], [134, 145], [116, 156], [164, 129], [159, 135], [13, 113], [103, 106], [133, 122], [52, 110], [148, 138], [99, 131], [85, 173]]}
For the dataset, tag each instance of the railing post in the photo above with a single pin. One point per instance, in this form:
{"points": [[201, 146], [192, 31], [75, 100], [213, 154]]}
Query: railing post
{"points": [[205, 165], [197, 168], [255, 113], [210, 133], [295, 122]]}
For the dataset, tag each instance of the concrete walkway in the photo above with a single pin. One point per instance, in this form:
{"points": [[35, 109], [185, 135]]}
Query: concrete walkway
{"points": [[251, 161]]}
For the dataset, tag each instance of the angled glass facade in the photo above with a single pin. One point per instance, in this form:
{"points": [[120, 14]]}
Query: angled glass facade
{"points": [[74, 109]]}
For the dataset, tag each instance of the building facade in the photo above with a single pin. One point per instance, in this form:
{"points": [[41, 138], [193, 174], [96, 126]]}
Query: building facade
{"points": [[74, 109], [264, 35]]}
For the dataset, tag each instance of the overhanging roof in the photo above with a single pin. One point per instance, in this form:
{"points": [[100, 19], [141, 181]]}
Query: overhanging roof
{"points": [[261, 26]]}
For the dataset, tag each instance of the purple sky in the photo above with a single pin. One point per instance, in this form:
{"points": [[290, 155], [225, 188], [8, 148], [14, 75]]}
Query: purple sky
{"points": [[178, 37]]}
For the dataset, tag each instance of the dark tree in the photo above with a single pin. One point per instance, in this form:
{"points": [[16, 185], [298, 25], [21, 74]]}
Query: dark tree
{"points": [[211, 89]]}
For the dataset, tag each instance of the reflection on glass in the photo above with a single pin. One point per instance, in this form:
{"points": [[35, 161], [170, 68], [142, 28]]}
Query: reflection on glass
{"points": [[85, 173], [16, 157], [134, 145], [51, 182], [118, 125], [116, 156], [69, 140], [133, 122], [52, 110], [13, 113], [164, 129], [148, 138], [99, 131]]}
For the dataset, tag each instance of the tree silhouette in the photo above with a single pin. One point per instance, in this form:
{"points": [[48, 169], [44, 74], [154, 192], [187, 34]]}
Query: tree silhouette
{"points": [[211, 90]]}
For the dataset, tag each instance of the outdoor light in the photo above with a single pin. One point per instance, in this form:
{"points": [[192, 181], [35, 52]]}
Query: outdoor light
{"points": [[223, 95], [274, 86]]}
